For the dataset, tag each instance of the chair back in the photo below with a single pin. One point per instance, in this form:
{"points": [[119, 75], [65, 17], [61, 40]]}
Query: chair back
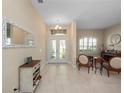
{"points": [[115, 62], [83, 59]]}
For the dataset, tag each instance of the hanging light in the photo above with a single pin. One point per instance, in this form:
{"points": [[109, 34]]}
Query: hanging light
{"points": [[58, 27], [41, 1]]}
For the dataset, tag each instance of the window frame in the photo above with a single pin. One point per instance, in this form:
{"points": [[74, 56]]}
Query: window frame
{"points": [[90, 45]]}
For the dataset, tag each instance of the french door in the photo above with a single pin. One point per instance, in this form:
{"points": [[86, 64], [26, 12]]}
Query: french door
{"points": [[57, 50]]}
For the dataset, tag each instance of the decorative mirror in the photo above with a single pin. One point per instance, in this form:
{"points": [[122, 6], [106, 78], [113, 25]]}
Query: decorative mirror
{"points": [[115, 39], [15, 36]]}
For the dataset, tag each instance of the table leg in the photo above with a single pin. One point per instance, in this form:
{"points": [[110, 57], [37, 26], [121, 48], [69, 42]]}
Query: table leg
{"points": [[101, 68], [92, 65]]}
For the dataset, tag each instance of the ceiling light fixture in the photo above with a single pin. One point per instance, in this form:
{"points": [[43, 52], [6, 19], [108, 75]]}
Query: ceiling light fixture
{"points": [[40, 1], [60, 27], [57, 27]]}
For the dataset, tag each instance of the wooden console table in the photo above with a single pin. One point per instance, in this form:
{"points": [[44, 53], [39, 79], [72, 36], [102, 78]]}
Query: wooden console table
{"points": [[109, 54]]}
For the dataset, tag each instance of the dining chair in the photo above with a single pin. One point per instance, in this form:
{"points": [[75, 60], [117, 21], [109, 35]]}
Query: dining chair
{"points": [[84, 61], [113, 65]]}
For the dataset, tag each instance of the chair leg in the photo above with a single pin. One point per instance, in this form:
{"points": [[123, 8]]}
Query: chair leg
{"points": [[95, 67], [101, 69], [95, 70], [76, 63], [101, 73], [108, 72], [118, 73], [88, 70], [78, 67], [92, 66]]}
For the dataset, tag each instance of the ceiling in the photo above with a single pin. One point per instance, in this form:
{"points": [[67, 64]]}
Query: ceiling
{"points": [[88, 14]]}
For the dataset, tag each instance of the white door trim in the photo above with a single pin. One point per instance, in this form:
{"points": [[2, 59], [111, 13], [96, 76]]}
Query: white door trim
{"points": [[57, 38]]}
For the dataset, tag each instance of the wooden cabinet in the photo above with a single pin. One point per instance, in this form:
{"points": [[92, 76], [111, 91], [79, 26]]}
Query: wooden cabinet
{"points": [[29, 76]]}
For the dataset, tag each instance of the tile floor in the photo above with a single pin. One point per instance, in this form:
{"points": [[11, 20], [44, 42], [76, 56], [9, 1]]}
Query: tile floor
{"points": [[63, 78]]}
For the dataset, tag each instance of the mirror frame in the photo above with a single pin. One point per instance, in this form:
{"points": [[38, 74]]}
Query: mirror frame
{"points": [[4, 36]]}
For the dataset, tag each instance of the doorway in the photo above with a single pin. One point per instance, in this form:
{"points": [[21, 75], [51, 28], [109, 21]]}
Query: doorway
{"points": [[57, 49]]}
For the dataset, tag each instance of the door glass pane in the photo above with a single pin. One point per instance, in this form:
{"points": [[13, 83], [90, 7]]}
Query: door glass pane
{"points": [[62, 49], [53, 49]]}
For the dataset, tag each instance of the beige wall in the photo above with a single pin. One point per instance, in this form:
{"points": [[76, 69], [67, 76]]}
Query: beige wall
{"points": [[98, 34], [21, 12], [116, 29]]}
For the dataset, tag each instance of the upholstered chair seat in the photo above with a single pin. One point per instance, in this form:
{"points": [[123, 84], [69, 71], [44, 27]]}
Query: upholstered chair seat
{"points": [[115, 62]]}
